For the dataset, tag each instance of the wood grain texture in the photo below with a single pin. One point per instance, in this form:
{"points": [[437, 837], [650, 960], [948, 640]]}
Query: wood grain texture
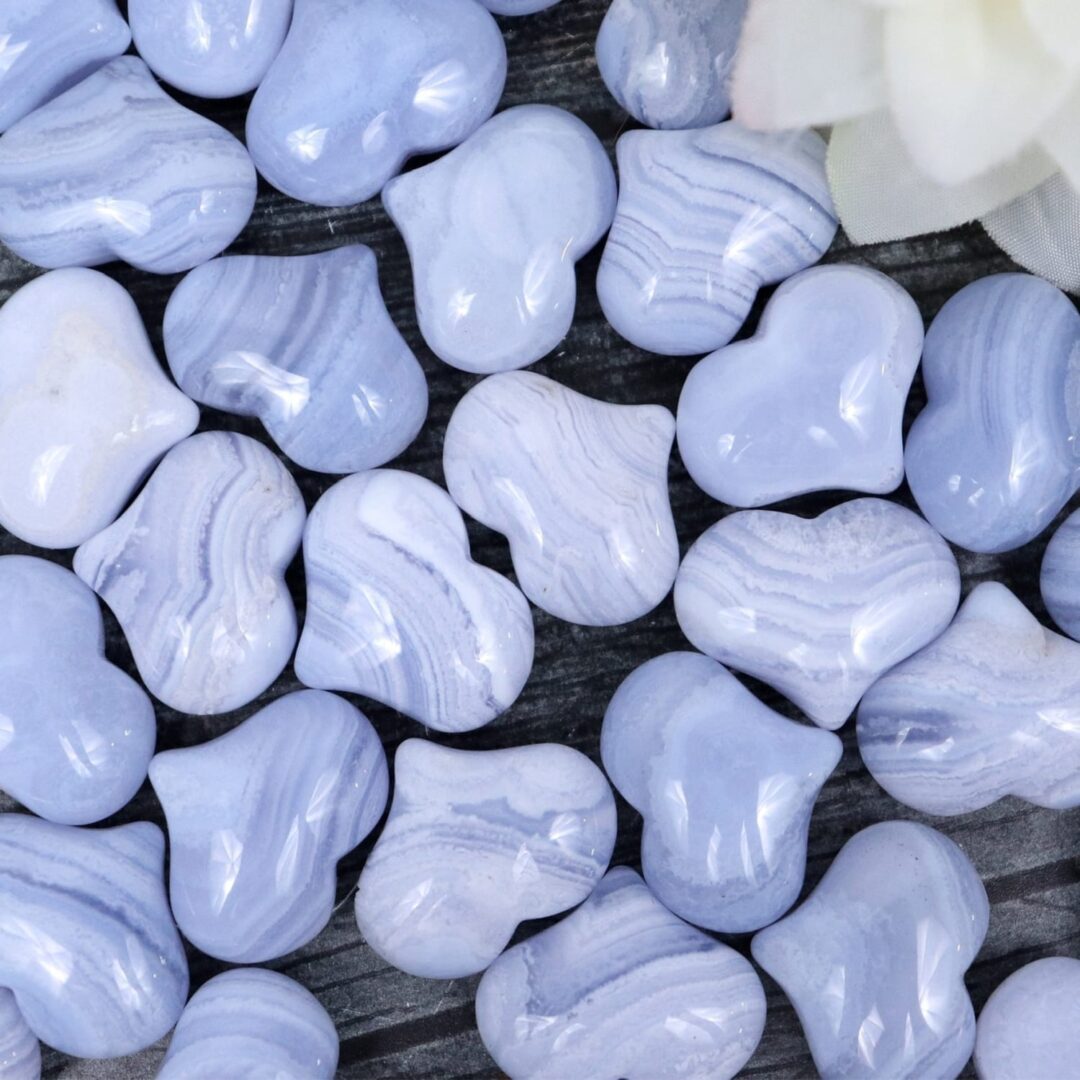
{"points": [[392, 1025]]}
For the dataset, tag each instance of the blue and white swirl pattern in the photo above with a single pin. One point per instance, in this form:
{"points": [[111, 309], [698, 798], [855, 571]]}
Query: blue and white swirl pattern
{"points": [[1060, 577], [20, 1054]]}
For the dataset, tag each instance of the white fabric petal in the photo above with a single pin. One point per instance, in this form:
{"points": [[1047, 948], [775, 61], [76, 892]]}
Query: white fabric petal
{"points": [[1056, 23], [1061, 137]]}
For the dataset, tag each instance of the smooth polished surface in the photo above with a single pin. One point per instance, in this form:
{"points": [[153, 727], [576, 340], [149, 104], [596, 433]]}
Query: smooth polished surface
{"points": [[668, 62], [20, 1054], [704, 219], [818, 608], [115, 169], [212, 48], [814, 400], [85, 408], [990, 708], [305, 344], [1060, 578], [360, 86], [517, 7], [726, 787], [493, 231], [620, 989], [76, 733], [194, 571], [874, 960], [578, 486], [476, 842], [996, 452], [87, 943], [399, 612]]}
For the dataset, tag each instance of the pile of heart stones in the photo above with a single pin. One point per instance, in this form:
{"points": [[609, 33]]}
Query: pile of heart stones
{"points": [[186, 538]]}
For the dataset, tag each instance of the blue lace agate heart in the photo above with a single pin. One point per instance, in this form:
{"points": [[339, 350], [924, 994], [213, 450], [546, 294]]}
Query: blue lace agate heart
{"points": [[20, 1054], [194, 571], [360, 87], [1060, 577], [704, 219], [476, 842], [517, 7], [620, 990], [814, 400], [874, 960], [494, 229], [996, 452], [305, 344], [728, 851]]}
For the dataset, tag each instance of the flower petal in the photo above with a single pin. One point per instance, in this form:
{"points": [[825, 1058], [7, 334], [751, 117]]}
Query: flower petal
{"points": [[1056, 23], [1061, 138]]}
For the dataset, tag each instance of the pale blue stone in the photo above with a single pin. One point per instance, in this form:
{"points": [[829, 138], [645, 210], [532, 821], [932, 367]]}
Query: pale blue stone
{"points": [[399, 612], [668, 62], [728, 852], [1030, 1027], [258, 819], [494, 230], [87, 944], [20, 1054], [1060, 579], [578, 486], [213, 48], [818, 608], [620, 990], [874, 960], [76, 733], [517, 7], [305, 344], [362, 85], [705, 218], [194, 572], [996, 452], [115, 169], [814, 400], [47, 46], [476, 842], [990, 708]]}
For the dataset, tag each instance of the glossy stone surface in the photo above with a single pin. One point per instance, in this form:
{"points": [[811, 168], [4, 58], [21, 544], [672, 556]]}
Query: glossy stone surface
{"points": [[493, 231], [305, 344], [578, 486], [115, 169], [476, 842], [994, 455], [517, 7], [818, 608], [20, 1054], [85, 408], [76, 733], [1060, 577], [705, 218], [814, 400], [990, 708], [87, 943], [194, 571], [1030, 1027], [620, 989], [668, 62], [430, 73], [258, 819], [399, 612], [874, 960], [729, 851], [212, 48]]}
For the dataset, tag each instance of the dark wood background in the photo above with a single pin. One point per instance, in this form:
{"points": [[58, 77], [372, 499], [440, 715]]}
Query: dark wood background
{"points": [[390, 1024]]}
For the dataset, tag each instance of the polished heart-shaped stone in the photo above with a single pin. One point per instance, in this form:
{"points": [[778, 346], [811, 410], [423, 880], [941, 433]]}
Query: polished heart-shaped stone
{"points": [[996, 452], [1059, 580], [990, 708], [76, 733], [494, 230], [517, 7], [360, 87], [115, 169], [305, 344], [476, 842], [20, 1054], [728, 851], [85, 408], [814, 400], [874, 960], [578, 486], [399, 612], [620, 990], [194, 572], [818, 608], [705, 218], [87, 944]]}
